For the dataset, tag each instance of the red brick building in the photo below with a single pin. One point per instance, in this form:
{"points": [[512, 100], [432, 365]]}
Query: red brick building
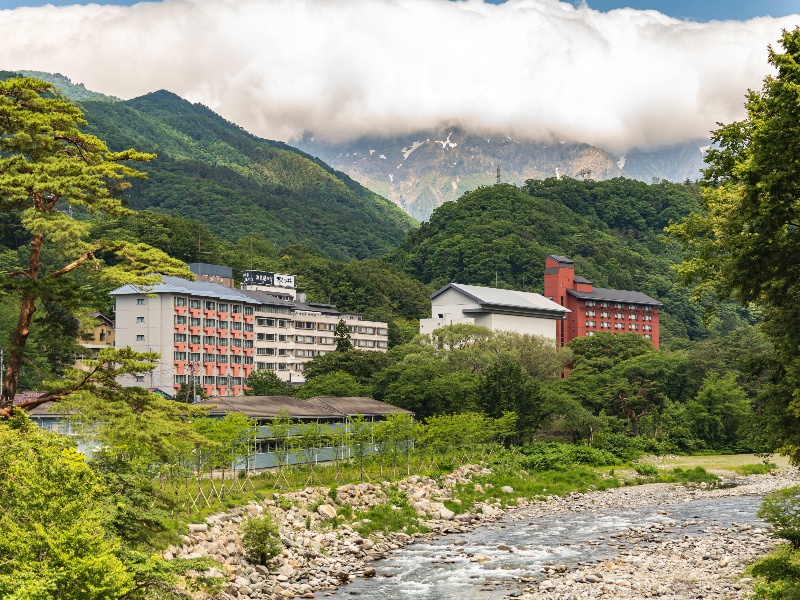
{"points": [[597, 309]]}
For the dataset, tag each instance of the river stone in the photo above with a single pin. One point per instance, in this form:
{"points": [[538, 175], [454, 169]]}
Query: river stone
{"points": [[327, 511], [507, 489], [198, 527], [369, 572]]}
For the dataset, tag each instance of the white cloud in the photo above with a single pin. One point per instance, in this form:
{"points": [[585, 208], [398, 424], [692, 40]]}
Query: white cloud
{"points": [[342, 68]]}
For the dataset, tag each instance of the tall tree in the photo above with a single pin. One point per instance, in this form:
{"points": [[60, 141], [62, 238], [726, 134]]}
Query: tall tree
{"points": [[48, 169], [746, 245], [341, 336]]}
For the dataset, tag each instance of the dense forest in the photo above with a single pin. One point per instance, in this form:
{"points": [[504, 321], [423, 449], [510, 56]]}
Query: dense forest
{"points": [[237, 184]]}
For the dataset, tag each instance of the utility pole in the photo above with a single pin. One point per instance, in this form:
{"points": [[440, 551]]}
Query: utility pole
{"points": [[498, 174]]}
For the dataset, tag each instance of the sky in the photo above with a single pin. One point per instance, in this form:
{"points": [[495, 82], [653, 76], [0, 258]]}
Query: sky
{"points": [[619, 75]]}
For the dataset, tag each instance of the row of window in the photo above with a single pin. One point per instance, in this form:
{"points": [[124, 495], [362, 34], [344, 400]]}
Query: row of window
{"points": [[207, 340], [607, 325], [266, 308], [261, 322], [211, 305], [272, 366], [607, 315], [224, 380], [216, 323], [618, 305], [235, 359]]}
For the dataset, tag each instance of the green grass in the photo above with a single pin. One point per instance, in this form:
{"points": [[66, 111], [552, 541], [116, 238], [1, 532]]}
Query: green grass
{"points": [[755, 468]]}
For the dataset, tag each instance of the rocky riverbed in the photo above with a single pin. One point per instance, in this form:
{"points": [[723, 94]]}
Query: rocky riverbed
{"points": [[687, 557]]}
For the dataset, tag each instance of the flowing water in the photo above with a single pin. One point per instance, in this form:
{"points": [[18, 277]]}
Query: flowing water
{"points": [[441, 569]]}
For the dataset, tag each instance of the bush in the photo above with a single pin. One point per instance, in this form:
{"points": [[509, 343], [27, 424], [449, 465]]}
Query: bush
{"points": [[646, 470], [261, 540], [696, 475], [755, 468], [778, 573], [553, 456], [781, 509]]}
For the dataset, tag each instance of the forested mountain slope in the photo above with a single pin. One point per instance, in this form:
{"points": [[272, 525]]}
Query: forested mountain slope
{"points": [[613, 230], [236, 183]]}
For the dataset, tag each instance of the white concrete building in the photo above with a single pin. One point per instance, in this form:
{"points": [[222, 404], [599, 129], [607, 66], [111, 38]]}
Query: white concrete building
{"points": [[219, 335], [495, 309]]}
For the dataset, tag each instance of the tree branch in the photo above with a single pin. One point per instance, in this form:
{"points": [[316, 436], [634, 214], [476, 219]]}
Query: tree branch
{"points": [[74, 264]]}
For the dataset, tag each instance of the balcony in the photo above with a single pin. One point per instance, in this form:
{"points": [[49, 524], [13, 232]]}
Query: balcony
{"points": [[181, 310]]}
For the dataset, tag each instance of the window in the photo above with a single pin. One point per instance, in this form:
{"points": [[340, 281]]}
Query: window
{"points": [[266, 366], [383, 344], [236, 342], [140, 319], [351, 328], [619, 315], [303, 353], [180, 320], [247, 326], [265, 351], [383, 331], [265, 322], [222, 359], [248, 343], [248, 360], [223, 325], [365, 343], [647, 308], [282, 337], [632, 307], [618, 305], [591, 313], [647, 327], [283, 323], [303, 325], [605, 315], [590, 333], [647, 318], [304, 339], [237, 325], [208, 380], [281, 366], [236, 359], [590, 303], [140, 378], [222, 307], [633, 317], [222, 341], [326, 326], [194, 356], [180, 379], [248, 310], [178, 301], [590, 323], [194, 303], [367, 330], [282, 352], [210, 305], [605, 325], [140, 301], [194, 321], [209, 322], [648, 336], [604, 304], [179, 355], [323, 340], [209, 340], [633, 327], [619, 326], [194, 339], [208, 358], [265, 337]]}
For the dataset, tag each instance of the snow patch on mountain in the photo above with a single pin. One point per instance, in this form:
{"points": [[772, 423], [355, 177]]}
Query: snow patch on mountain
{"points": [[446, 143], [407, 151]]}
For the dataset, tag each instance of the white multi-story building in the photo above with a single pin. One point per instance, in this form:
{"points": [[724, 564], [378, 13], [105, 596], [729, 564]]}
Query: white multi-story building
{"points": [[219, 335]]}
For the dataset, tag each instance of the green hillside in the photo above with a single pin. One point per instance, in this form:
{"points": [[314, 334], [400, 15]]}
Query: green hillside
{"points": [[613, 230], [236, 183]]}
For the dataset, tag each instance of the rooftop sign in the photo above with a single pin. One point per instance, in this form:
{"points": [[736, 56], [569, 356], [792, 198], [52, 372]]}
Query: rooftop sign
{"points": [[267, 278]]}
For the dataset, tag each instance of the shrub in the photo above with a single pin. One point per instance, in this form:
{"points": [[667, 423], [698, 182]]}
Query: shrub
{"points": [[781, 509], [755, 468], [646, 470], [261, 540]]}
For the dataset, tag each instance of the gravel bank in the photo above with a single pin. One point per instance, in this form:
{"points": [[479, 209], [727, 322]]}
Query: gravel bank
{"points": [[660, 560]]}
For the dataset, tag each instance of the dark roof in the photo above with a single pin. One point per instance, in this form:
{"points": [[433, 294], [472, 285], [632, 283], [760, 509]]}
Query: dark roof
{"points": [[177, 285], [313, 408], [625, 296], [561, 259], [579, 279], [358, 406], [265, 298]]}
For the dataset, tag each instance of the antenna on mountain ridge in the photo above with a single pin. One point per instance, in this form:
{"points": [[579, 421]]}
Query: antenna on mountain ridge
{"points": [[498, 173]]}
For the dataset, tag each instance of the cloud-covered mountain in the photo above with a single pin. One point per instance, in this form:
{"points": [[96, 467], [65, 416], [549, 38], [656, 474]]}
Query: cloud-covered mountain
{"points": [[422, 170]]}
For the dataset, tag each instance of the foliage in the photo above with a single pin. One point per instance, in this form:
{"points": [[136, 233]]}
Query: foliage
{"points": [[55, 543], [359, 364], [333, 384], [756, 468], [778, 574], [554, 456], [239, 184], [341, 336], [396, 514], [265, 383], [47, 164], [261, 540], [781, 509], [744, 243], [646, 470]]}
